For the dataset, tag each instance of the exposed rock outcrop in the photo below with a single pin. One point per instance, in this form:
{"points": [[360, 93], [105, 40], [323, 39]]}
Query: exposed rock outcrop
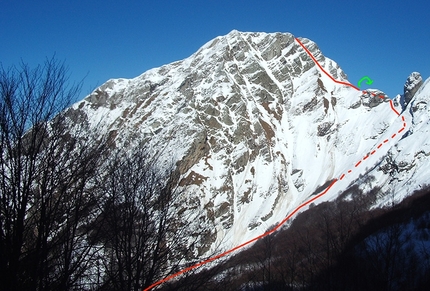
{"points": [[413, 83]]}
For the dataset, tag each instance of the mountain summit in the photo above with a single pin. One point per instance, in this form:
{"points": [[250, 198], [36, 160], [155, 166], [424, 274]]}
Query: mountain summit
{"points": [[254, 128]]}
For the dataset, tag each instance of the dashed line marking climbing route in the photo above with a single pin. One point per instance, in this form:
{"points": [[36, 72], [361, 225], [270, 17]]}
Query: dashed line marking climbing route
{"points": [[364, 92], [342, 176]]}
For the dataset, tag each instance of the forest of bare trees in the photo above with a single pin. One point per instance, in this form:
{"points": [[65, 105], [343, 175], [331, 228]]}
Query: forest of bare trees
{"points": [[73, 215]]}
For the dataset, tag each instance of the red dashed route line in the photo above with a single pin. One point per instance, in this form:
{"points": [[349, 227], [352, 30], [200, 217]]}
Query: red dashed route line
{"points": [[364, 92], [379, 145], [211, 259]]}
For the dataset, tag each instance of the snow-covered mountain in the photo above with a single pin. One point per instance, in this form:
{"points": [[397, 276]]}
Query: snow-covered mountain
{"points": [[255, 128]]}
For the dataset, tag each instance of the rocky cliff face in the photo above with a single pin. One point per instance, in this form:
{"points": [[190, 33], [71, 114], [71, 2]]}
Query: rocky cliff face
{"points": [[254, 128], [413, 83]]}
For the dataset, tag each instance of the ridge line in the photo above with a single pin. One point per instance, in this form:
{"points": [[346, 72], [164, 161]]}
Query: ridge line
{"points": [[322, 69]]}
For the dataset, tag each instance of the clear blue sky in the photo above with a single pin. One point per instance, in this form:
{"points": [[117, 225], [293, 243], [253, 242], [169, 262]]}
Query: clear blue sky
{"points": [[385, 40]]}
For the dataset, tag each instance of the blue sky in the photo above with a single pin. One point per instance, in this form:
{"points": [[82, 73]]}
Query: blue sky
{"points": [[385, 40]]}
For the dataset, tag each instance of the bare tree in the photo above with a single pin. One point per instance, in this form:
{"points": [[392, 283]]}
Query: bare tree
{"points": [[44, 173], [145, 234]]}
